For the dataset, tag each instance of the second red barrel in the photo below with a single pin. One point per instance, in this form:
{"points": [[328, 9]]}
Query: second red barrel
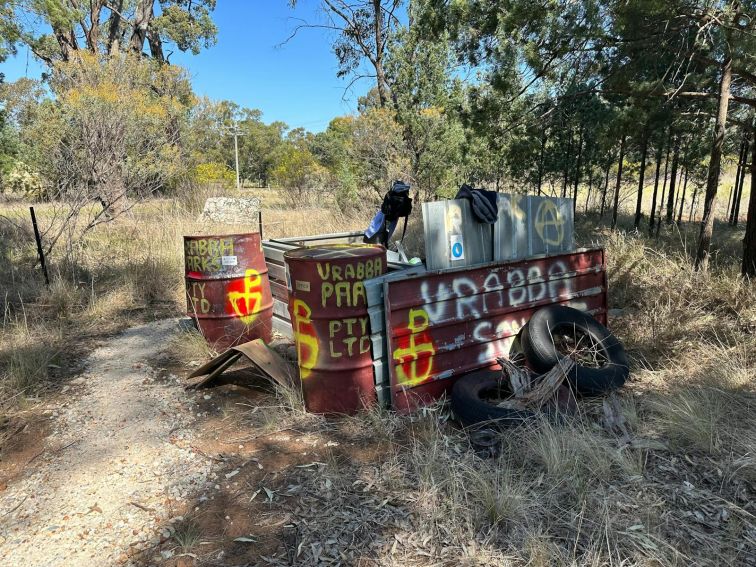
{"points": [[227, 290], [328, 308]]}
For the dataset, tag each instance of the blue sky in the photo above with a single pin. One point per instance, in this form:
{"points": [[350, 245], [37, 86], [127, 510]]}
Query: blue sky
{"points": [[295, 82]]}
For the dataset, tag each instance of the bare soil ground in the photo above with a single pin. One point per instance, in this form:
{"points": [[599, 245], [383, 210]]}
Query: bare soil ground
{"points": [[114, 465]]}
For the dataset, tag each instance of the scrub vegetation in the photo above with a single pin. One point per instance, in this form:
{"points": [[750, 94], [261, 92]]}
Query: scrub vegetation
{"points": [[641, 112]]}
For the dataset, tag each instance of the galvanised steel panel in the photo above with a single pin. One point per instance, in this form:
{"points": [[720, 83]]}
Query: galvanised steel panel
{"points": [[529, 225], [442, 324], [510, 233], [551, 226], [453, 238]]}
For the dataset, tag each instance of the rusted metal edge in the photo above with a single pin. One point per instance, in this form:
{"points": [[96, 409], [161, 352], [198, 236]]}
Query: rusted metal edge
{"points": [[262, 357]]}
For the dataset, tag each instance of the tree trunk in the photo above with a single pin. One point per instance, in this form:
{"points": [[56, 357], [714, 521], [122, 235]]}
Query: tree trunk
{"points": [[664, 182], [92, 34], [661, 201], [380, 75], [567, 165], [641, 179], [606, 189], [749, 241], [693, 204], [672, 181], [682, 199], [577, 172], [715, 164], [156, 46], [736, 209], [66, 40], [619, 182], [540, 160], [742, 157], [114, 28], [590, 187], [142, 18], [652, 216]]}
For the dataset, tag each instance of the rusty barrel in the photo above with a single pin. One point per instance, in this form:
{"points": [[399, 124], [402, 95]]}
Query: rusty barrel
{"points": [[328, 308], [227, 290]]}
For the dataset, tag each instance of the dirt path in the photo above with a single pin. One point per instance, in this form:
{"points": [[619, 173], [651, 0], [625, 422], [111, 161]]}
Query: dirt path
{"points": [[117, 463]]}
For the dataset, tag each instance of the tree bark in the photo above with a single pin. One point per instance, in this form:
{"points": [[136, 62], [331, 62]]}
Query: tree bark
{"points": [[606, 189], [142, 19], [715, 164], [739, 194], [619, 182], [682, 198], [749, 241], [641, 179], [652, 216], [577, 172], [672, 182]]}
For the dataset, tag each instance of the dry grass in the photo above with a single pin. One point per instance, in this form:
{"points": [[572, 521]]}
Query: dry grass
{"points": [[123, 273], [677, 488]]}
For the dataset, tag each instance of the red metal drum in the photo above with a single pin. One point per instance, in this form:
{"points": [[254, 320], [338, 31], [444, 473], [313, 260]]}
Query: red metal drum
{"points": [[329, 317], [227, 290]]}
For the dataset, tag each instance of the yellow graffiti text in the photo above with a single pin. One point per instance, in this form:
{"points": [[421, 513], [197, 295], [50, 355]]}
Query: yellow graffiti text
{"points": [[348, 337], [344, 294], [205, 255], [196, 294]]}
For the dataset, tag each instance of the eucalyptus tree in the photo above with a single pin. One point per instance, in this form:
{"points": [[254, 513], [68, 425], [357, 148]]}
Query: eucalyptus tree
{"points": [[363, 29], [109, 26]]}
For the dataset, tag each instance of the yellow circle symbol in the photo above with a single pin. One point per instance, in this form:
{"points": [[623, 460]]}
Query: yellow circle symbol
{"points": [[549, 224]]}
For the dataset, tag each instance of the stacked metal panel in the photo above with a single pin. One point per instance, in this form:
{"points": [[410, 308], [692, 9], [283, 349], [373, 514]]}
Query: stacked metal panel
{"points": [[453, 238], [279, 289], [377, 315], [442, 324], [526, 226], [531, 226]]}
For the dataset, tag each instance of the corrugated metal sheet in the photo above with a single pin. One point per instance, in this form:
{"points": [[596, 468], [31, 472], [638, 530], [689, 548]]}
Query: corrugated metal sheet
{"points": [[376, 313], [526, 226], [274, 251], [453, 238], [440, 324]]}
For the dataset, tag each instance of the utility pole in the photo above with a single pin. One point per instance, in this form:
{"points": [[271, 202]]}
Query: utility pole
{"points": [[234, 131]]}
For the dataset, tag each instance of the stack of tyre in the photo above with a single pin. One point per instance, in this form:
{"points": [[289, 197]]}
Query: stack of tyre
{"points": [[471, 393]]}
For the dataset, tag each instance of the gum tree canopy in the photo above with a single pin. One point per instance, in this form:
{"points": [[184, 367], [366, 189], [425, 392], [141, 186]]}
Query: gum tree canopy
{"points": [[108, 26]]}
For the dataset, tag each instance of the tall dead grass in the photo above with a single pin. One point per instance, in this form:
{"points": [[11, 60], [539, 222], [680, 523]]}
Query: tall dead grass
{"points": [[121, 273], [675, 488]]}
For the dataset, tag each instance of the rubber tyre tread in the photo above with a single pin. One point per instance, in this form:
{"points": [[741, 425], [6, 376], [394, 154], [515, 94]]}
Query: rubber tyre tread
{"points": [[471, 409], [537, 344]]}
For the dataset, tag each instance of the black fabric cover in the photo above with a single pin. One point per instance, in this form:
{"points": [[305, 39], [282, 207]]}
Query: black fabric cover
{"points": [[484, 203]]}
